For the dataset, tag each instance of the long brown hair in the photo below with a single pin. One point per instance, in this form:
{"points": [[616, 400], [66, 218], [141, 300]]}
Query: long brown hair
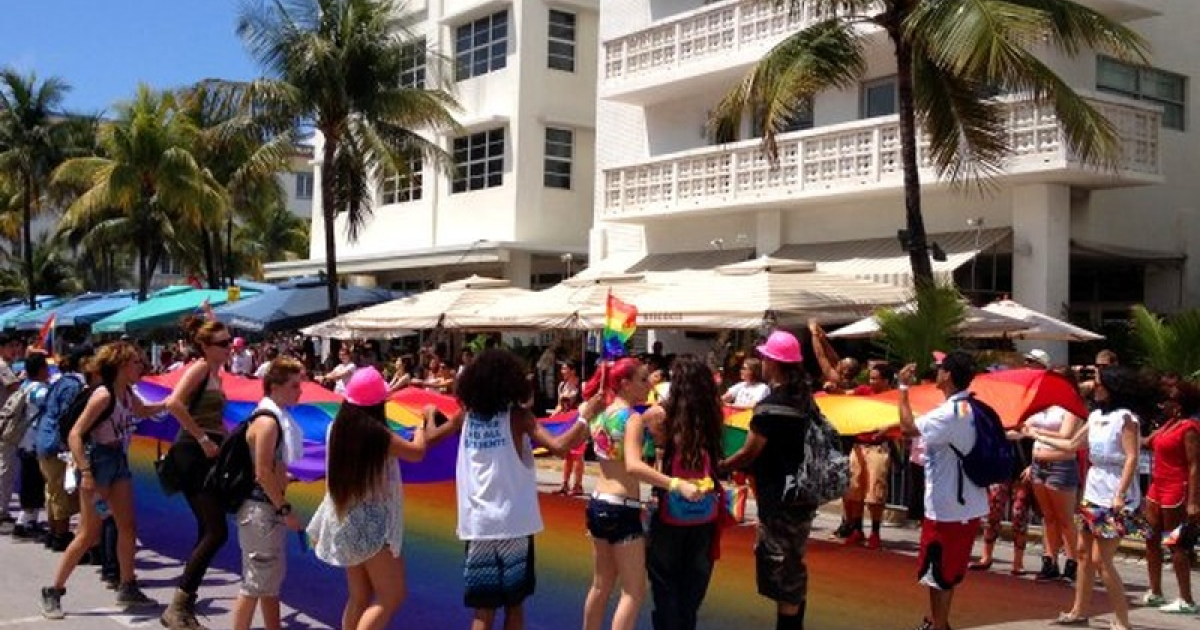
{"points": [[694, 421], [201, 331], [358, 452]]}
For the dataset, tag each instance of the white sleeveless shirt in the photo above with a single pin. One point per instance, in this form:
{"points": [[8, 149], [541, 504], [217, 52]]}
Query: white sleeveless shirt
{"points": [[497, 488], [1108, 459]]}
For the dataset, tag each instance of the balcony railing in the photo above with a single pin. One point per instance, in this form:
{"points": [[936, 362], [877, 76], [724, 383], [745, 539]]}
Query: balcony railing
{"points": [[848, 158], [705, 33]]}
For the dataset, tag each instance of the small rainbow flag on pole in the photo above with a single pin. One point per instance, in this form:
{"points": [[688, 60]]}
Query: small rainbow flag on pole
{"points": [[620, 322], [46, 334]]}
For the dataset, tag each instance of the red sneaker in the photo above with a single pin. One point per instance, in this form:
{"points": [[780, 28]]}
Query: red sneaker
{"points": [[873, 542], [855, 538]]}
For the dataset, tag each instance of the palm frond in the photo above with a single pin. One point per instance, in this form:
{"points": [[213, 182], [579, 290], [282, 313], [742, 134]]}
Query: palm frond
{"points": [[1169, 345], [911, 336], [826, 55]]}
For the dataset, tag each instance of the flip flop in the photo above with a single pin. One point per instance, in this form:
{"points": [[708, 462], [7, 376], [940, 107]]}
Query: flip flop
{"points": [[979, 566], [1066, 618]]}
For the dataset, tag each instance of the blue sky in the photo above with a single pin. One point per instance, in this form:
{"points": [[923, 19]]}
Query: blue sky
{"points": [[104, 48]]}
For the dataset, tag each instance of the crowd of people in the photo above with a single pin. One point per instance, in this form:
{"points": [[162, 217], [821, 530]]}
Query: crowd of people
{"points": [[70, 453]]}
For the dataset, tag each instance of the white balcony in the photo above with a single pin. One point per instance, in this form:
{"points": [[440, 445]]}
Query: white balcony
{"points": [[715, 45], [862, 157]]}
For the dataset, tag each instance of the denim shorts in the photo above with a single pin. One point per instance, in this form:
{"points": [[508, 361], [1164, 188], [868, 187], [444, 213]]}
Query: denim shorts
{"points": [[1062, 475], [614, 523], [109, 462]]}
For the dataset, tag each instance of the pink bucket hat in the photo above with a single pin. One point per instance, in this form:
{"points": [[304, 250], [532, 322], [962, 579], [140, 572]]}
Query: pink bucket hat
{"points": [[366, 388], [781, 346]]}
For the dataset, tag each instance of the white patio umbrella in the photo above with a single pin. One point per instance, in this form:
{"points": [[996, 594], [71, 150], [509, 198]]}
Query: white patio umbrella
{"points": [[439, 307], [1042, 327], [560, 306], [977, 323]]}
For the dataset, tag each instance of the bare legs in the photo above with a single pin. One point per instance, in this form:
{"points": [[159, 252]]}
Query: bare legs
{"points": [[1163, 520], [377, 589], [243, 612], [625, 564], [1097, 554]]}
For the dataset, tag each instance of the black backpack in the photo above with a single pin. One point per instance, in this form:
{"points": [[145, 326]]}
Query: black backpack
{"points": [[67, 421], [231, 477], [992, 458]]}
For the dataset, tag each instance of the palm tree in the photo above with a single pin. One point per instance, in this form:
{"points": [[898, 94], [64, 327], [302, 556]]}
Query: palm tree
{"points": [[35, 136], [144, 185], [335, 65], [243, 151], [911, 336], [952, 58], [271, 234], [1169, 345], [53, 270]]}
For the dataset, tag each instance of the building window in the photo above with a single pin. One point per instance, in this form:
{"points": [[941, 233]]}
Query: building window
{"points": [[540, 281], [1160, 87], [559, 149], [481, 46], [562, 41], [478, 161], [402, 187], [412, 65], [304, 185], [799, 120], [879, 98], [411, 286]]}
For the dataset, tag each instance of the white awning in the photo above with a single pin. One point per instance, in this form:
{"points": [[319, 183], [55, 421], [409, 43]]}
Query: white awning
{"points": [[480, 252], [884, 260]]}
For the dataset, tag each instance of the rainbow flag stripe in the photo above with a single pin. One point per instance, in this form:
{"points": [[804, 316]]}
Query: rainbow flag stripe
{"points": [[620, 322]]}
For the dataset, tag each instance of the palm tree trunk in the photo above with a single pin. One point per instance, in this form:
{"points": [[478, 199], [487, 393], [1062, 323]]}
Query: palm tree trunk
{"points": [[229, 271], [328, 214], [918, 246], [27, 240], [210, 262], [143, 274]]}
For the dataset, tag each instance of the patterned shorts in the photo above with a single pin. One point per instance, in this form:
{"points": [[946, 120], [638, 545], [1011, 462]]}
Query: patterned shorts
{"points": [[1106, 523], [499, 573]]}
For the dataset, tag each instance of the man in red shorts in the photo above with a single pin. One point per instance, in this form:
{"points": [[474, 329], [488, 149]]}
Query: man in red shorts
{"points": [[953, 505]]}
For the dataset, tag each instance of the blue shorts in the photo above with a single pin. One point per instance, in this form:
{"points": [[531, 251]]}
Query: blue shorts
{"points": [[614, 523], [1062, 475], [109, 462], [499, 573]]}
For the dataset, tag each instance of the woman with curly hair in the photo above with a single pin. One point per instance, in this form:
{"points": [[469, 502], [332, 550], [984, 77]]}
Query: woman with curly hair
{"points": [[683, 534], [498, 511], [1111, 494], [359, 525], [99, 447]]}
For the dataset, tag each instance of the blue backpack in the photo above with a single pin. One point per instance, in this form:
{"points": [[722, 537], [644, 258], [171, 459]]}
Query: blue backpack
{"points": [[991, 460], [62, 393]]}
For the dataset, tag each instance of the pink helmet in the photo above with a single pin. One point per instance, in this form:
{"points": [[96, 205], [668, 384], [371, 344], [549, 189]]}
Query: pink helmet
{"points": [[782, 346], [366, 388]]}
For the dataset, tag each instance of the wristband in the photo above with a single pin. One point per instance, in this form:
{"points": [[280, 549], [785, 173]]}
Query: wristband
{"points": [[582, 420], [902, 387], [674, 485], [205, 439]]}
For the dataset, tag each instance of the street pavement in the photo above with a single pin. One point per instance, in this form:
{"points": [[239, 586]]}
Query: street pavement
{"points": [[25, 567]]}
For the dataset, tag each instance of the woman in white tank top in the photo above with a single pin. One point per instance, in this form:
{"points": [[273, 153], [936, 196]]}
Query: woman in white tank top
{"points": [[1111, 494]]}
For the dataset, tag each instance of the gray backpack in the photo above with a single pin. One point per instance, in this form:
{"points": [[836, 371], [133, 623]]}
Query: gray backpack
{"points": [[824, 473], [14, 420]]}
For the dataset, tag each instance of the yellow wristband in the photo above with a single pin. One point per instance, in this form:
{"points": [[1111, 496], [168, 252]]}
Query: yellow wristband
{"points": [[674, 486]]}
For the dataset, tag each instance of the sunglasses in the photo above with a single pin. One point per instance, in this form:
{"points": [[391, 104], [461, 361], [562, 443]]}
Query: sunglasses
{"points": [[224, 343]]}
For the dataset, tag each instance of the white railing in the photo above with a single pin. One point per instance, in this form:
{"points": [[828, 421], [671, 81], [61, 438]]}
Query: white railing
{"points": [[842, 159], [710, 31]]}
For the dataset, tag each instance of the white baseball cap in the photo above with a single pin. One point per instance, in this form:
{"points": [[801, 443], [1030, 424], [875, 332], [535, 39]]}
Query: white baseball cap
{"points": [[1039, 356]]}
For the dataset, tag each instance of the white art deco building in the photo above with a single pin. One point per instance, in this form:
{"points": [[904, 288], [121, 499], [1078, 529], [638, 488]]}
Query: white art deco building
{"points": [[1058, 236], [519, 202]]}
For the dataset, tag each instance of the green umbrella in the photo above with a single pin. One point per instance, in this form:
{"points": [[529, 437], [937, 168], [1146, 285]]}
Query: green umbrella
{"points": [[163, 309]]}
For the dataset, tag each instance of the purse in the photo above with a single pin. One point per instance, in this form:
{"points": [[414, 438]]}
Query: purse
{"points": [[166, 466]]}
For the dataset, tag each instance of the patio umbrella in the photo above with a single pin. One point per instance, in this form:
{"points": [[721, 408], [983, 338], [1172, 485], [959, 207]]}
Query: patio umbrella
{"points": [[564, 305], [976, 323], [163, 309], [95, 310], [294, 305], [1042, 327], [33, 321], [441, 307], [9, 317]]}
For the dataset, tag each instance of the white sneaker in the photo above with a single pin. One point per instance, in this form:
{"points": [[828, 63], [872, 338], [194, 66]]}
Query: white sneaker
{"points": [[1178, 607], [1152, 599]]}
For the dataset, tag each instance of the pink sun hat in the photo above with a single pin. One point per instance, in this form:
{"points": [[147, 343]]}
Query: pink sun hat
{"points": [[366, 388], [782, 347]]}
